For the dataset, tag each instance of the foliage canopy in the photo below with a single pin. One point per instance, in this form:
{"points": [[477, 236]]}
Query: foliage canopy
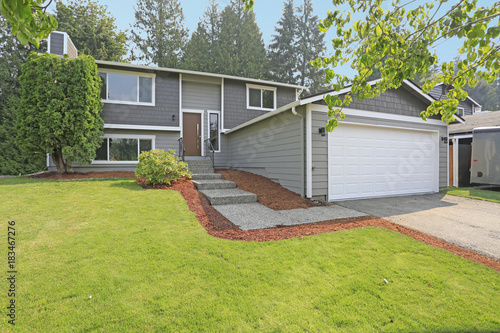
{"points": [[14, 54], [92, 29], [397, 39], [28, 19], [60, 108]]}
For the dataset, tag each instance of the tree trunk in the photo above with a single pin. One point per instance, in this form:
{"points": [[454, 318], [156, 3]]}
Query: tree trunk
{"points": [[58, 159]]}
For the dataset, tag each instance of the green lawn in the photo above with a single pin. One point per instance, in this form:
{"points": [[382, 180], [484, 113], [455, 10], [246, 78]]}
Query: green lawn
{"points": [[150, 266], [473, 193]]}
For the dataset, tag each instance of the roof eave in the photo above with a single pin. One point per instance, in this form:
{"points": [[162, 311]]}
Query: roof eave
{"points": [[185, 71]]}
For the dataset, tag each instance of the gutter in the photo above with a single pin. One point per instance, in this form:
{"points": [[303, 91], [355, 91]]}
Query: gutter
{"points": [[302, 149]]}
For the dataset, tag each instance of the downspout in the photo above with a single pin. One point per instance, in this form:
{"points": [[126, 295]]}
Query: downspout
{"points": [[302, 149]]}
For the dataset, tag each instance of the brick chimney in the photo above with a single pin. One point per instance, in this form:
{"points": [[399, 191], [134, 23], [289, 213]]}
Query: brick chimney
{"points": [[59, 43]]}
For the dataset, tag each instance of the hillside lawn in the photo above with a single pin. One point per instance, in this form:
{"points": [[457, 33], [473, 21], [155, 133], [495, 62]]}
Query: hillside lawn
{"points": [[148, 265]]}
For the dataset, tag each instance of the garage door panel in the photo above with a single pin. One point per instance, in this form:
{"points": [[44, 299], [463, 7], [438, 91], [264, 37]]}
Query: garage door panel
{"points": [[379, 161]]}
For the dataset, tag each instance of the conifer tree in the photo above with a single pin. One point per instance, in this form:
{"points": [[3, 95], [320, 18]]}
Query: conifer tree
{"points": [[282, 52], [310, 45], [92, 29], [13, 55], [201, 49], [158, 33], [241, 50]]}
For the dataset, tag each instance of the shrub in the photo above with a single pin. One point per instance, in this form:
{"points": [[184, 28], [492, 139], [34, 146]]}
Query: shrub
{"points": [[160, 167]]}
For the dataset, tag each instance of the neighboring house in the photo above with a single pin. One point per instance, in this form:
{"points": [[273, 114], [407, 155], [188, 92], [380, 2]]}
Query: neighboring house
{"points": [[464, 108], [383, 148], [461, 137]]}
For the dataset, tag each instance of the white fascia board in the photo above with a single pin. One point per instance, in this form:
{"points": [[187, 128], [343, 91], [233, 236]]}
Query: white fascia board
{"points": [[380, 115], [461, 136], [264, 116], [142, 127], [345, 90], [332, 93], [183, 71], [473, 101]]}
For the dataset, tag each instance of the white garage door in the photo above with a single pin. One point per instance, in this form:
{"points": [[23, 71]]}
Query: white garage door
{"points": [[370, 161]]}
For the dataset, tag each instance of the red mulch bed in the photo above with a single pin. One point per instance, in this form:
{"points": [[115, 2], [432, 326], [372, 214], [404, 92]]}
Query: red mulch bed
{"points": [[269, 193], [218, 226]]}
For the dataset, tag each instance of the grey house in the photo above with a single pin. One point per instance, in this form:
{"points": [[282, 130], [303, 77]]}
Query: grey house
{"points": [[460, 142], [461, 139], [383, 148]]}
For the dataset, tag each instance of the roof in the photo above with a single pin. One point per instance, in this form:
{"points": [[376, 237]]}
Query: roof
{"points": [[184, 71], [320, 96], [468, 97], [482, 119]]}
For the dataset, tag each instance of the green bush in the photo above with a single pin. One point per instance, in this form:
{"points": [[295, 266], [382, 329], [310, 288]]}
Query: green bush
{"points": [[160, 167]]}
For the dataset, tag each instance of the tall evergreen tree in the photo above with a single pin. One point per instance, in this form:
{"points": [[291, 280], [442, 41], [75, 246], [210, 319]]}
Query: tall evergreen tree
{"points": [[159, 33], [310, 45], [241, 49], [92, 29], [282, 52], [200, 52], [13, 55]]}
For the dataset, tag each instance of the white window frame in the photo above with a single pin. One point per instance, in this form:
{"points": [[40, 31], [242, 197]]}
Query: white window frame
{"points": [[220, 130], [126, 136], [136, 74], [458, 111], [254, 86]]}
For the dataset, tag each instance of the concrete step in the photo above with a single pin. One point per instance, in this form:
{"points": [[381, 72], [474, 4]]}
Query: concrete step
{"points": [[200, 169], [206, 176], [214, 184], [200, 166], [229, 196]]}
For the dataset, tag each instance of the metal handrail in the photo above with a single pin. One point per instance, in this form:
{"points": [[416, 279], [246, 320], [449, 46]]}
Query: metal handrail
{"points": [[182, 149], [209, 148]]}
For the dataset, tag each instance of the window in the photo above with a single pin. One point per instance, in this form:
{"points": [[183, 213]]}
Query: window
{"points": [[476, 109], [117, 148], [127, 88], [261, 97], [214, 132], [460, 112]]}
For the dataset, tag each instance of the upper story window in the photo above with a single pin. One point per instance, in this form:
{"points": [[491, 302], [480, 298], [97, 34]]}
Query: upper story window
{"points": [[460, 112], [261, 97], [127, 88]]}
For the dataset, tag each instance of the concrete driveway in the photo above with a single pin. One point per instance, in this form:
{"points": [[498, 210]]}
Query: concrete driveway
{"points": [[469, 223]]}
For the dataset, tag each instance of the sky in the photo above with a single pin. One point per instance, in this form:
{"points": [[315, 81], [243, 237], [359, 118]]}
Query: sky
{"points": [[267, 12]]}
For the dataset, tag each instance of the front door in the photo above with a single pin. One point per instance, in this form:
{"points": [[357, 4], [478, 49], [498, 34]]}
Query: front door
{"points": [[192, 134]]}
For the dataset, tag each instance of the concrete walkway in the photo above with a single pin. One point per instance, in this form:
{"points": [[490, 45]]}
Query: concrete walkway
{"points": [[249, 216], [469, 223]]}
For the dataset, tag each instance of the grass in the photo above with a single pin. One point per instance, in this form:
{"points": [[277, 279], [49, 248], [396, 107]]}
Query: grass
{"points": [[473, 193], [150, 266]]}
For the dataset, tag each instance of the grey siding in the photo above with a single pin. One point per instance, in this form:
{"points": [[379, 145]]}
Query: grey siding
{"points": [[56, 43], [271, 148], [201, 96], [235, 102], [223, 159], [164, 140], [320, 151], [166, 106], [438, 93], [395, 101]]}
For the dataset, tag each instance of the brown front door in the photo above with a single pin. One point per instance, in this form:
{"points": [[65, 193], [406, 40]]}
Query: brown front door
{"points": [[192, 133]]}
